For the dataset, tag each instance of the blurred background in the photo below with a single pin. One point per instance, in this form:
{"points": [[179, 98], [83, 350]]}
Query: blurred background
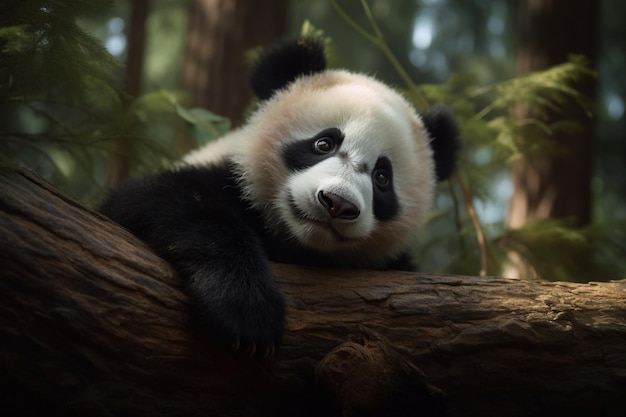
{"points": [[92, 92]]}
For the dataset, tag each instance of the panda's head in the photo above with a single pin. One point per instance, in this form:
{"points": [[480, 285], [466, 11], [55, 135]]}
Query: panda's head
{"points": [[339, 161]]}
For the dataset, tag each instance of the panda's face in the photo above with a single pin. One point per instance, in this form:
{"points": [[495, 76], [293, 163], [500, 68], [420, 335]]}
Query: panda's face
{"points": [[336, 192], [342, 164]]}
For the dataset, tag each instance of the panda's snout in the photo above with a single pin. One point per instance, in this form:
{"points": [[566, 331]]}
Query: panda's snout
{"points": [[337, 206]]}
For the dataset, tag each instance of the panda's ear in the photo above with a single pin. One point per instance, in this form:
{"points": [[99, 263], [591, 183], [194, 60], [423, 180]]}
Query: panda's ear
{"points": [[444, 139], [285, 61]]}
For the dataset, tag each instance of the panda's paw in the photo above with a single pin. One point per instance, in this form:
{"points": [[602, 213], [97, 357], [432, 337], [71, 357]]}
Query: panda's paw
{"points": [[259, 330], [246, 313]]}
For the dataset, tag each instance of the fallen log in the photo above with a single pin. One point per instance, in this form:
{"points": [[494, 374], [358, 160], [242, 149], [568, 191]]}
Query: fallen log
{"points": [[92, 322]]}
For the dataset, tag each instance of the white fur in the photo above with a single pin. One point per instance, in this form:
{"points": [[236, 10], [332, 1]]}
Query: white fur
{"points": [[329, 176], [217, 151], [376, 121]]}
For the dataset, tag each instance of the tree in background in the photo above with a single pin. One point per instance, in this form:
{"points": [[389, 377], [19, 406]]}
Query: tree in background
{"points": [[557, 183], [219, 32], [553, 182], [67, 109], [120, 165], [59, 103]]}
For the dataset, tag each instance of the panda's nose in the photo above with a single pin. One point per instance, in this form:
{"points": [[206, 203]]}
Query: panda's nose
{"points": [[338, 207]]}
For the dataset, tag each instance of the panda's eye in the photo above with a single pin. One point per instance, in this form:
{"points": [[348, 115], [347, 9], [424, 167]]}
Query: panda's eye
{"points": [[381, 176], [324, 145]]}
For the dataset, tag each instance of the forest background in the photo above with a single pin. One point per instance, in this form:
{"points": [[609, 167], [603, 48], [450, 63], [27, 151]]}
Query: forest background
{"points": [[92, 92]]}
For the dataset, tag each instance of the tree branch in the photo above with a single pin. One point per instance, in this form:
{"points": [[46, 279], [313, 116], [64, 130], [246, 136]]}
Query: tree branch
{"points": [[92, 322]]}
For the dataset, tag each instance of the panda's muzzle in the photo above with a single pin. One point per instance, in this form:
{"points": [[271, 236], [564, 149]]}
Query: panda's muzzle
{"points": [[337, 206]]}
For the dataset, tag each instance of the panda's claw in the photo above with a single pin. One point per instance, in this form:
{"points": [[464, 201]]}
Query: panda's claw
{"points": [[269, 351], [235, 345], [251, 349]]}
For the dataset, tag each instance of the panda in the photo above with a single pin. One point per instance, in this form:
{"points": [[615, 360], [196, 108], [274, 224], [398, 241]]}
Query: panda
{"points": [[332, 169]]}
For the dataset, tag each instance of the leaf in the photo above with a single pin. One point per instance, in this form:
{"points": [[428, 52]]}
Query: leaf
{"points": [[16, 39], [309, 30], [204, 126]]}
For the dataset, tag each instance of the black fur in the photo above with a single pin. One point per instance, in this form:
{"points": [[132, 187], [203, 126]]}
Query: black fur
{"points": [[302, 154], [195, 219], [284, 62], [445, 145], [386, 205]]}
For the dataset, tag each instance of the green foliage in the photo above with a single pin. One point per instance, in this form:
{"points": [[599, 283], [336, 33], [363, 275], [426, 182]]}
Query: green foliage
{"points": [[544, 92], [204, 125], [488, 112], [62, 109], [43, 49], [309, 30], [548, 249]]}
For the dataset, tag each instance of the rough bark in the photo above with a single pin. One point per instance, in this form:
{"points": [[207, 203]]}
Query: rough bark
{"points": [[91, 322]]}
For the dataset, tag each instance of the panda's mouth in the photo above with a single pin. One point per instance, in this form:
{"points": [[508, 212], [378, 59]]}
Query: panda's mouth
{"points": [[319, 223]]}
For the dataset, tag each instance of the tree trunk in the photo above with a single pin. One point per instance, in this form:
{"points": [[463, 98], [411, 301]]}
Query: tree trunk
{"points": [[556, 185], [136, 46], [93, 323], [120, 165], [218, 35]]}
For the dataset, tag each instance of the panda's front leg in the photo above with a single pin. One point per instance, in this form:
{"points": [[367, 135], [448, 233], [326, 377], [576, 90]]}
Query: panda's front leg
{"points": [[219, 257], [228, 278], [231, 286]]}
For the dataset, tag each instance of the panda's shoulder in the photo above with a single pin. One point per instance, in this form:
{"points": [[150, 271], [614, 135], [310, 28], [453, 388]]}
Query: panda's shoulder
{"points": [[209, 177], [174, 185]]}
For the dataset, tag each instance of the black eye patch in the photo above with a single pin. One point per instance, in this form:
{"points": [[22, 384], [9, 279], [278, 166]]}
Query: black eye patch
{"points": [[386, 204], [308, 152]]}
